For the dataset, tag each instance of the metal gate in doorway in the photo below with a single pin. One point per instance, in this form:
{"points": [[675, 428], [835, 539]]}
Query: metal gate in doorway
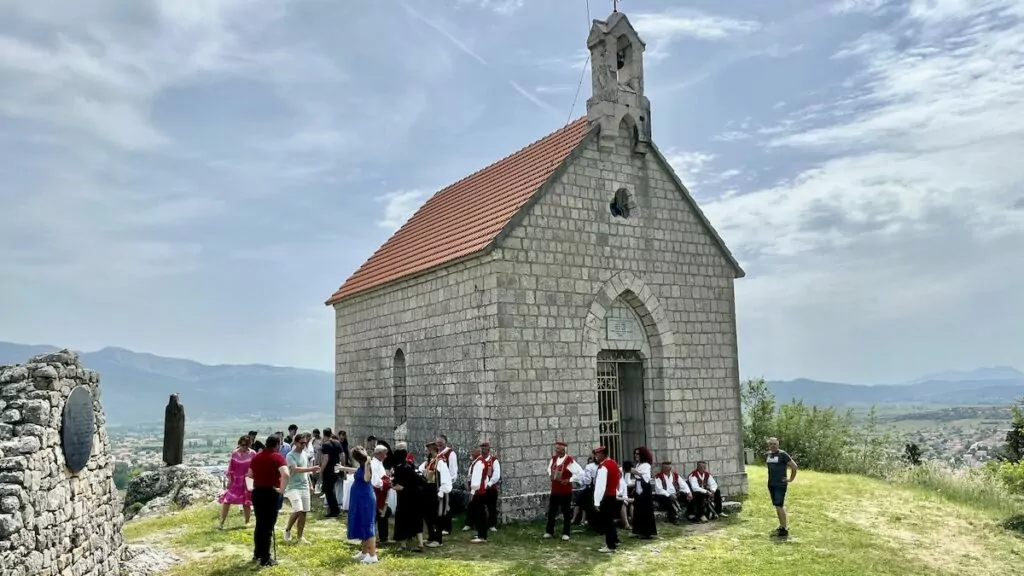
{"points": [[620, 402]]}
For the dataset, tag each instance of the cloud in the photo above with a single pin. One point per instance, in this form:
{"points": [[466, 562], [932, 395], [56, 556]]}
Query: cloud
{"points": [[503, 7], [911, 215], [400, 206], [660, 30]]}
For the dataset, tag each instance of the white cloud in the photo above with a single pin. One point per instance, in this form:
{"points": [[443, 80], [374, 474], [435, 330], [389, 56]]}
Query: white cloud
{"points": [[503, 7], [660, 30], [400, 206], [911, 216]]}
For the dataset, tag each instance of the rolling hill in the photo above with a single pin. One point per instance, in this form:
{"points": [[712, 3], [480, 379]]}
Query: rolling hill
{"points": [[136, 386]]}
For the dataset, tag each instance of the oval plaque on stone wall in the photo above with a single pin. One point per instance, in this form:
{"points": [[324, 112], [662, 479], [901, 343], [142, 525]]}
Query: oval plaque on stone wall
{"points": [[77, 427]]}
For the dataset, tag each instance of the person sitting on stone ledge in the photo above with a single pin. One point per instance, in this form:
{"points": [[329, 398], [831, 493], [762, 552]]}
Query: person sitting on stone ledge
{"points": [[707, 498], [670, 492]]}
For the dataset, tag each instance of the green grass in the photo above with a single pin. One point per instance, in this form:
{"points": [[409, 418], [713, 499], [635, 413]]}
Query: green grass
{"points": [[840, 525]]}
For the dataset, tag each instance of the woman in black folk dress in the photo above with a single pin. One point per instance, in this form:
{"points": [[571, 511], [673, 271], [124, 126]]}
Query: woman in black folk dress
{"points": [[643, 505], [408, 484]]}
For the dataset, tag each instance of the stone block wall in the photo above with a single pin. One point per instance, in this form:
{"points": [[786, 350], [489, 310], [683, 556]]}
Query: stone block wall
{"points": [[567, 267], [441, 321], [53, 522]]}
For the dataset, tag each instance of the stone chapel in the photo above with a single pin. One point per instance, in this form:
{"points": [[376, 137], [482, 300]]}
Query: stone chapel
{"points": [[571, 291]]}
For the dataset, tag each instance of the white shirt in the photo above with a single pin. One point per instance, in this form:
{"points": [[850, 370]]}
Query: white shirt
{"points": [[623, 493], [578, 474], [377, 473], [444, 479], [589, 474], [664, 486], [600, 483], [453, 465], [495, 472], [476, 475], [644, 470], [695, 485]]}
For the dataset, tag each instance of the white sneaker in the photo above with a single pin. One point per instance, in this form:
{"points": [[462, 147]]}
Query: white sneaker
{"points": [[444, 532], [369, 560], [494, 529], [478, 540], [433, 544], [287, 536], [546, 535], [605, 550], [565, 537], [465, 529], [359, 556]]}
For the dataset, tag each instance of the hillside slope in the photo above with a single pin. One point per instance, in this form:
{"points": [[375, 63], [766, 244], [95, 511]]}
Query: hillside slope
{"points": [[1004, 389], [841, 526], [136, 386]]}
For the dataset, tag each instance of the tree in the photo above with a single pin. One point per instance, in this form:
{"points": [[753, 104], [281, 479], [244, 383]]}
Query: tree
{"points": [[758, 413]]}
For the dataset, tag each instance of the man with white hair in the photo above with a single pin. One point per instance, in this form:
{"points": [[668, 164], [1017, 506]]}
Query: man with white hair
{"points": [[779, 463], [381, 485]]}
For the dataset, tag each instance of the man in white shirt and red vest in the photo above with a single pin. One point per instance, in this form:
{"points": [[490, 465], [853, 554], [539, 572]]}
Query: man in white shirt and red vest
{"points": [[493, 484], [479, 472], [435, 494], [707, 498], [448, 456], [606, 489], [670, 491], [563, 471]]}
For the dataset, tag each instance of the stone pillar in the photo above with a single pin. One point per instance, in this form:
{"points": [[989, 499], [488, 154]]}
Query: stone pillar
{"points": [[55, 519], [174, 432]]}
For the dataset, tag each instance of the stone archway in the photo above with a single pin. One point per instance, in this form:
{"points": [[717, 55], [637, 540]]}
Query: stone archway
{"points": [[625, 391]]}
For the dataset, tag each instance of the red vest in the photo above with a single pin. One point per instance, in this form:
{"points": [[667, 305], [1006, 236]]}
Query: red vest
{"points": [[614, 477], [484, 475], [664, 480], [382, 492], [560, 475], [702, 479]]}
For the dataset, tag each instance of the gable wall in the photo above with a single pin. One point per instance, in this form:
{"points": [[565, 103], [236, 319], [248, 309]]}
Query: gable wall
{"points": [[551, 267], [439, 320]]}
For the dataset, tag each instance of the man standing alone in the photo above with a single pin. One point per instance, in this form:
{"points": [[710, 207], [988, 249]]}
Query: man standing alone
{"points": [[779, 462]]}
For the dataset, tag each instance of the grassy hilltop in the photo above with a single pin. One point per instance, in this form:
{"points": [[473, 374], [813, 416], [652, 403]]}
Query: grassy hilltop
{"points": [[840, 525]]}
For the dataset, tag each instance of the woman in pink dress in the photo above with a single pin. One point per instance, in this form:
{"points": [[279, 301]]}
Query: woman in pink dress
{"points": [[237, 493]]}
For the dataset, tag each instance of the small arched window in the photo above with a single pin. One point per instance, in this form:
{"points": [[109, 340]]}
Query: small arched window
{"points": [[398, 388], [620, 205]]}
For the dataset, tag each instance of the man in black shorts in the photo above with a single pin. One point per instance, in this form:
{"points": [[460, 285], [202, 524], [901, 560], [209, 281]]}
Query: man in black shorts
{"points": [[779, 463]]}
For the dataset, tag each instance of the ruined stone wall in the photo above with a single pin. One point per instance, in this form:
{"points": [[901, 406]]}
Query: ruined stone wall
{"points": [[53, 522]]}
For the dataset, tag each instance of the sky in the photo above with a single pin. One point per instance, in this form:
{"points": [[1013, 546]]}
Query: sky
{"points": [[194, 179]]}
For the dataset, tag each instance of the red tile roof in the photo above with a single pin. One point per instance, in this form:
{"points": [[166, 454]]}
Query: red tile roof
{"points": [[464, 218]]}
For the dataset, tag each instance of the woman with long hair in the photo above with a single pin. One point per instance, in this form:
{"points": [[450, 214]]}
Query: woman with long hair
{"points": [[362, 508], [643, 504], [237, 493]]}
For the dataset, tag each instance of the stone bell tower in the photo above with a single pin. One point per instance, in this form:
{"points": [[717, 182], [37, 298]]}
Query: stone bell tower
{"points": [[617, 72]]}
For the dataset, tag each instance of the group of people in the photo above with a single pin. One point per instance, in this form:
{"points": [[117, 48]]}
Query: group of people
{"points": [[388, 483], [608, 495]]}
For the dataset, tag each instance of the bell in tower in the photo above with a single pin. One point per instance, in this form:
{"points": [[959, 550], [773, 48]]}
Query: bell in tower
{"points": [[617, 75]]}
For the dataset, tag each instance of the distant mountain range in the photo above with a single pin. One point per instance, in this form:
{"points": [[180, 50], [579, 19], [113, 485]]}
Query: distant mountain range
{"points": [[996, 385], [136, 387]]}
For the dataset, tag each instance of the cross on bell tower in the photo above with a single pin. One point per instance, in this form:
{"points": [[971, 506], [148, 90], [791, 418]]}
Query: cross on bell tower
{"points": [[617, 74]]}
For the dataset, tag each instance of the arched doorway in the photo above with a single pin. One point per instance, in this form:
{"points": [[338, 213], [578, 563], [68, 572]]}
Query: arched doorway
{"points": [[622, 423]]}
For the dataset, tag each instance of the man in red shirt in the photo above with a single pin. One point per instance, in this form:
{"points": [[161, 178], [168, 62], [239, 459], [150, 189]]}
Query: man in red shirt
{"points": [[269, 473], [606, 488]]}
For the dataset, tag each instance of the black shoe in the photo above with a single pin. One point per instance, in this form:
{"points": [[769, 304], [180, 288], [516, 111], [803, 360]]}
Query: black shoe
{"points": [[268, 563]]}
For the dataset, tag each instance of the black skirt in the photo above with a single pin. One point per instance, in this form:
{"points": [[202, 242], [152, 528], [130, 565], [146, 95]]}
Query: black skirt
{"points": [[643, 511]]}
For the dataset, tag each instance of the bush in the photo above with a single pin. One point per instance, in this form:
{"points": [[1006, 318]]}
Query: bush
{"points": [[1012, 476], [818, 438]]}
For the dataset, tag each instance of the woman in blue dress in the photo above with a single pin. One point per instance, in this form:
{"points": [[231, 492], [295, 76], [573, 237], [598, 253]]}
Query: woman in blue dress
{"points": [[362, 504]]}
